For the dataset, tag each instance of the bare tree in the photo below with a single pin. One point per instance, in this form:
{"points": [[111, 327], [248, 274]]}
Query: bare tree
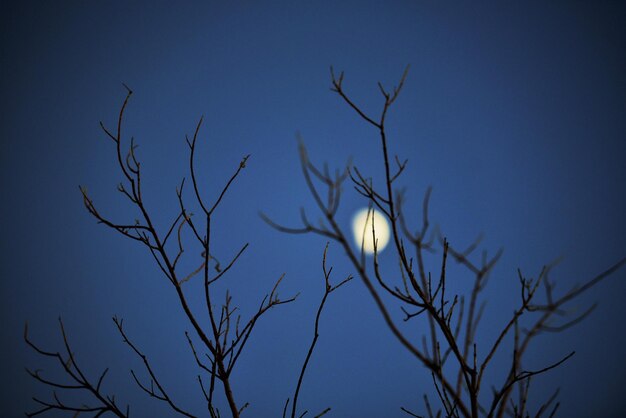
{"points": [[449, 351], [216, 349]]}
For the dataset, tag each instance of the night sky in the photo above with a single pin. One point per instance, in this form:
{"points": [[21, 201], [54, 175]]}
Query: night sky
{"points": [[514, 114]]}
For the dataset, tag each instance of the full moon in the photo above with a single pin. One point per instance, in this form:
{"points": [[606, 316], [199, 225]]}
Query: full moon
{"points": [[362, 230]]}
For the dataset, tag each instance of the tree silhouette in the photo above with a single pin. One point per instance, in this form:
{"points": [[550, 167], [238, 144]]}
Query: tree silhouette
{"points": [[449, 351], [221, 344]]}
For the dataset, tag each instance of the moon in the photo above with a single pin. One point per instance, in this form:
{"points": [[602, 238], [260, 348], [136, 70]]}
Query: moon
{"points": [[362, 230]]}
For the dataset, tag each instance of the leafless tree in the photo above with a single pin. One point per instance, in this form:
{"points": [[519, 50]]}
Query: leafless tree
{"points": [[449, 351], [215, 348]]}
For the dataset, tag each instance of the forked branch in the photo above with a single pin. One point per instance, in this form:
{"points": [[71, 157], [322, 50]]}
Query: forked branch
{"points": [[79, 382]]}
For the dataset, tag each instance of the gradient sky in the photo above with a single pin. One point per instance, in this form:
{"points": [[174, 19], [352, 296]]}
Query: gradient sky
{"points": [[515, 114]]}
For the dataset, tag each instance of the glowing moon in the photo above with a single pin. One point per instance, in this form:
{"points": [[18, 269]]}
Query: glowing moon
{"points": [[362, 230]]}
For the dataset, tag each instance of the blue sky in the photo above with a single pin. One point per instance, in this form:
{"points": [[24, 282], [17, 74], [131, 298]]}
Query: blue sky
{"points": [[514, 114]]}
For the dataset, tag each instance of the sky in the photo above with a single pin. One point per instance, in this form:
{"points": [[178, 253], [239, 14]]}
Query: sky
{"points": [[515, 114]]}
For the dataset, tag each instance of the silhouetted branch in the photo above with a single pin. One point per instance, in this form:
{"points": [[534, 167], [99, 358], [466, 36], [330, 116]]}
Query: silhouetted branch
{"points": [[221, 346], [328, 289], [74, 372], [453, 319], [161, 394]]}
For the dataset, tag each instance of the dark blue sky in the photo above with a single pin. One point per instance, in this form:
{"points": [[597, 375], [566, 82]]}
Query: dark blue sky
{"points": [[515, 114]]}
